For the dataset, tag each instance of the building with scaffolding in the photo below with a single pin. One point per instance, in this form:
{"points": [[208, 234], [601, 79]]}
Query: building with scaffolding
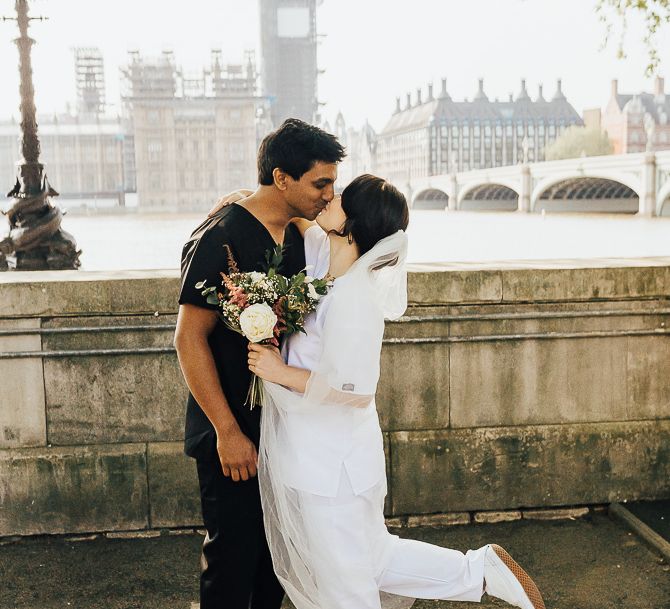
{"points": [[87, 156], [288, 58], [180, 142], [194, 135]]}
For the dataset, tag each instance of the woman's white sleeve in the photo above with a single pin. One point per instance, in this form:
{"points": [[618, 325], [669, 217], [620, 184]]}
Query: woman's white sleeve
{"points": [[348, 369], [316, 247]]}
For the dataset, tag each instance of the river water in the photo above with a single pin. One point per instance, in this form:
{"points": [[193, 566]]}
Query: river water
{"points": [[153, 241]]}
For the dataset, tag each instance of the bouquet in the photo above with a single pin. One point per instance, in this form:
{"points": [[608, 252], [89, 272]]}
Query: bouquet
{"points": [[263, 306]]}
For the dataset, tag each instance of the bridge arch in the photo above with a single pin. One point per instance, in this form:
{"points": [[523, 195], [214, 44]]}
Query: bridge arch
{"points": [[663, 200], [597, 192], [430, 198], [488, 196]]}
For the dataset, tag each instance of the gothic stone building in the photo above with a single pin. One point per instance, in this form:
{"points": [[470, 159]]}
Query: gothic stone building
{"points": [[194, 139]]}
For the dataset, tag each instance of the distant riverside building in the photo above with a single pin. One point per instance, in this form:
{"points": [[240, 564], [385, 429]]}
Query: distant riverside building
{"points": [[84, 157], [194, 138], [437, 135], [593, 118], [630, 120], [288, 58], [87, 155], [360, 145]]}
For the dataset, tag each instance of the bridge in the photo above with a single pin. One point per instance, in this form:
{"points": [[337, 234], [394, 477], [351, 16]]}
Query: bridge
{"points": [[626, 183]]}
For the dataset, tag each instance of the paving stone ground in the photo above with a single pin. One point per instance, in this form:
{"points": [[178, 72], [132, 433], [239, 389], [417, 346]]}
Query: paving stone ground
{"points": [[587, 563]]}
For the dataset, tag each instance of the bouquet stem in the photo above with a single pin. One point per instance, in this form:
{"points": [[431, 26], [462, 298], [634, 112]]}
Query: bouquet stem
{"points": [[256, 392]]}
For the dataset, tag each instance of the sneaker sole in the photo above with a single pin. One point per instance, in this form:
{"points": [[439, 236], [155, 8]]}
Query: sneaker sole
{"points": [[527, 583]]}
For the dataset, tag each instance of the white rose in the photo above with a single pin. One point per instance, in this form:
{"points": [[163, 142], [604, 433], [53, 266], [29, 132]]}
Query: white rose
{"points": [[312, 292], [308, 279], [256, 276], [257, 322]]}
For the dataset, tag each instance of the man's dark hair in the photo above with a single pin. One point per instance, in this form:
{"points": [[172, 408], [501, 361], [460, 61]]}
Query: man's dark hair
{"points": [[375, 209], [294, 148]]}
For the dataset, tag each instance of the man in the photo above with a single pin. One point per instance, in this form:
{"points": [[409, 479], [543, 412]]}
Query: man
{"points": [[297, 168]]}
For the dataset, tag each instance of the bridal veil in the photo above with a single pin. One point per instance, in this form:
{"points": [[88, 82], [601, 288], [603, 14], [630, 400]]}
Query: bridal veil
{"points": [[346, 376]]}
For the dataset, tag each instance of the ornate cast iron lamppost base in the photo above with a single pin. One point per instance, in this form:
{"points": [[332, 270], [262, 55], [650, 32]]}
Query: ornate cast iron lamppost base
{"points": [[36, 240], [36, 236]]}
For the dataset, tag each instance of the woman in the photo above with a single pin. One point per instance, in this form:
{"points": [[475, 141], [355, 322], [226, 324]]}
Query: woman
{"points": [[321, 459]]}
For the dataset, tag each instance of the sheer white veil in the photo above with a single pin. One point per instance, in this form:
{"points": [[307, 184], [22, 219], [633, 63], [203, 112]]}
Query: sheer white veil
{"points": [[373, 289], [384, 267]]}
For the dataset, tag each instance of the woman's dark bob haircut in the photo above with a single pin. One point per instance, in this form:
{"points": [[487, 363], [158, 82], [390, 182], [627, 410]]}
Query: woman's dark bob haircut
{"points": [[294, 148], [375, 209]]}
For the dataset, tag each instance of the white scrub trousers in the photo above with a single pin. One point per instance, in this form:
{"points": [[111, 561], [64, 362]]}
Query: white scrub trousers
{"points": [[357, 558]]}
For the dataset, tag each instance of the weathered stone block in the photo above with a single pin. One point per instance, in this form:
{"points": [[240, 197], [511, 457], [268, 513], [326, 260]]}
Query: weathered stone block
{"points": [[648, 377], [53, 293], [439, 520], [396, 523], [74, 489], [413, 390], [113, 398], [22, 417], [180, 532], [607, 281], [121, 398], [495, 517], [529, 382], [173, 486], [439, 284], [513, 467], [80, 538], [556, 514]]}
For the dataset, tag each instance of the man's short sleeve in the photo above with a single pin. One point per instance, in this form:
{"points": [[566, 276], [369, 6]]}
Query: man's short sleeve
{"points": [[204, 258]]}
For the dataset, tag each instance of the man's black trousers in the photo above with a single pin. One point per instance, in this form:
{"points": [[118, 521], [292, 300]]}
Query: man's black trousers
{"points": [[236, 568]]}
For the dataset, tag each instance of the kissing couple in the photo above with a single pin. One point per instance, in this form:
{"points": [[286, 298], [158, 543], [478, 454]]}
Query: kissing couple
{"points": [[292, 492]]}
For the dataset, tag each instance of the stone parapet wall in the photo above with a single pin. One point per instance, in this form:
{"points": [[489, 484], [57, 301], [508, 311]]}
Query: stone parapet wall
{"points": [[504, 387]]}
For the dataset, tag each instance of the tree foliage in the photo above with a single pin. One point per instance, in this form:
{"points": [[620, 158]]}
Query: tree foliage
{"points": [[615, 14], [579, 141]]}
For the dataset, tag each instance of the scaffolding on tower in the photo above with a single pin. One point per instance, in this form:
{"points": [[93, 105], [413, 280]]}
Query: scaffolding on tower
{"points": [[90, 75]]}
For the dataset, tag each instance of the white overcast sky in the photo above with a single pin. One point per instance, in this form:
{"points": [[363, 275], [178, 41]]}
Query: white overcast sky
{"points": [[371, 51]]}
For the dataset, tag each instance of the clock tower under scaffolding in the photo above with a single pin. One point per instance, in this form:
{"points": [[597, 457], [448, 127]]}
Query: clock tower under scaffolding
{"points": [[288, 54]]}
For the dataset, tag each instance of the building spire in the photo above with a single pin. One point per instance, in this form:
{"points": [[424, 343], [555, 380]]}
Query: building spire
{"points": [[481, 96], [558, 96], [443, 93], [523, 94]]}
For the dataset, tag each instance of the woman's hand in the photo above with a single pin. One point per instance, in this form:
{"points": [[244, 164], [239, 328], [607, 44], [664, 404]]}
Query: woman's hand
{"points": [[303, 224], [266, 362], [231, 197]]}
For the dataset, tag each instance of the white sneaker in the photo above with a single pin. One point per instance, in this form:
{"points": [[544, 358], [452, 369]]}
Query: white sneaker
{"points": [[506, 580]]}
